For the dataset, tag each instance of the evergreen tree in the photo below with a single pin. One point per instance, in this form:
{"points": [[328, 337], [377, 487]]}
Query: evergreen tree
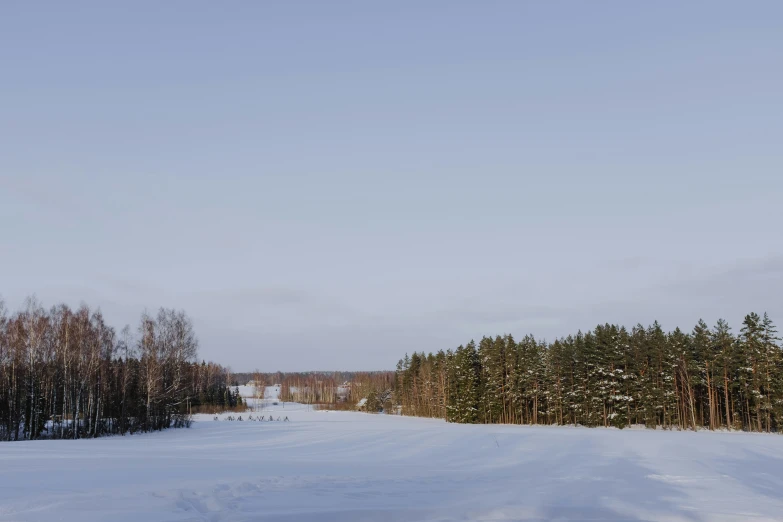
{"points": [[773, 375], [751, 350], [606, 377], [467, 389]]}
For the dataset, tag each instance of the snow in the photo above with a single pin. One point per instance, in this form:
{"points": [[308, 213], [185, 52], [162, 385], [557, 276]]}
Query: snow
{"points": [[249, 391], [346, 466], [272, 392], [246, 391]]}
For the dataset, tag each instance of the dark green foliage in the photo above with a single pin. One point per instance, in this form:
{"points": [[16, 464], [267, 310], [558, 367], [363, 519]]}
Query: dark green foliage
{"points": [[606, 377]]}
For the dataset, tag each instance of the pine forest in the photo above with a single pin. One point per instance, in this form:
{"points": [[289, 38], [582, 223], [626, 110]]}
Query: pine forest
{"points": [[709, 378]]}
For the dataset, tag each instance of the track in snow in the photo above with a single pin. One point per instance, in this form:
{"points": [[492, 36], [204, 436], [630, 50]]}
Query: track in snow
{"points": [[346, 467]]}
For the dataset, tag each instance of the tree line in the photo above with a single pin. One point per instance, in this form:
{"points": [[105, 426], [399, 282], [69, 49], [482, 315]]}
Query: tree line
{"points": [[340, 390], [271, 378], [65, 373], [707, 378]]}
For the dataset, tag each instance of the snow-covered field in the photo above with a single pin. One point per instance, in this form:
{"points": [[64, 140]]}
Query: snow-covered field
{"points": [[346, 467]]}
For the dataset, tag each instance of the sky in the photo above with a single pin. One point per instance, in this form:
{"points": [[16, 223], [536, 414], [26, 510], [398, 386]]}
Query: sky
{"points": [[331, 185]]}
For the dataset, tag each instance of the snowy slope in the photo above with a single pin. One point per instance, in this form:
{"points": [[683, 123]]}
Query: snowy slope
{"points": [[345, 467], [272, 392], [250, 392], [269, 392], [246, 391]]}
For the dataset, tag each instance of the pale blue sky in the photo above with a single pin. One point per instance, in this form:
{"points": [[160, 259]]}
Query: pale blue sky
{"points": [[328, 185]]}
